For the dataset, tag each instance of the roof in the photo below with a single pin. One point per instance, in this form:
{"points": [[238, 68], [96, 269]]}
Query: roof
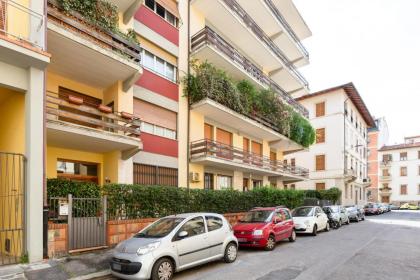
{"points": [[354, 96], [400, 146], [411, 137]]}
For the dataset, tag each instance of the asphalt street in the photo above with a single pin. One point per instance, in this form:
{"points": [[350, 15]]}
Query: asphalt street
{"points": [[382, 247]]}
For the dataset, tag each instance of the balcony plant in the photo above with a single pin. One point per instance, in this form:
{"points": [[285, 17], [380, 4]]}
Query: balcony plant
{"points": [[242, 97]]}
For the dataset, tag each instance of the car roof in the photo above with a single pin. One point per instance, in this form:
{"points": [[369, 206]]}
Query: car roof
{"points": [[189, 215], [269, 208]]}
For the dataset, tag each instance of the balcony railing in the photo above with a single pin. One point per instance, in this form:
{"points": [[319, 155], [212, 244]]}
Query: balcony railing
{"points": [[75, 22], [214, 149], [207, 36], [73, 110], [252, 25], [286, 26], [21, 23]]}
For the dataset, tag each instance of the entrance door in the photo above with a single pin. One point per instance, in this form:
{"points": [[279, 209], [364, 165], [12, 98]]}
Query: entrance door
{"points": [[12, 207], [245, 184], [385, 199], [208, 181]]}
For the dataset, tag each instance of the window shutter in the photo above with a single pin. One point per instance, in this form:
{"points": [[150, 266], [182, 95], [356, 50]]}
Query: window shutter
{"points": [[320, 162], [320, 135], [320, 109]]}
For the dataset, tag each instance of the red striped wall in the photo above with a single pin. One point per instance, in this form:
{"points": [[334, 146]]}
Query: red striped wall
{"points": [[159, 145], [158, 84]]}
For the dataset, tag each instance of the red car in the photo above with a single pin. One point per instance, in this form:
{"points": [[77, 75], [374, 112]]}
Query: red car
{"points": [[263, 227]]}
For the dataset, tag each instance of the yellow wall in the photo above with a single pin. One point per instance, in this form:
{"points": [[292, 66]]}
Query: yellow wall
{"points": [[55, 80], [123, 101], [18, 20], [12, 124], [110, 167], [197, 21], [55, 153]]}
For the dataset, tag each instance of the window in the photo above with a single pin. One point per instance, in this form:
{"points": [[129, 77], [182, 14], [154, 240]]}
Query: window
{"points": [[418, 189], [403, 156], [387, 158], [418, 154], [158, 65], [320, 186], [292, 186], [224, 182], [320, 162], [195, 226], [419, 170], [320, 109], [171, 18], [213, 223], [385, 172], [403, 171], [385, 186], [403, 189], [162, 12], [158, 130], [150, 4], [320, 135], [257, 184], [293, 162], [147, 127], [144, 174], [77, 171]]}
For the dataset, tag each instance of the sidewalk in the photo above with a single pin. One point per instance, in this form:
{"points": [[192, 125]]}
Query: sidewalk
{"points": [[82, 266]]}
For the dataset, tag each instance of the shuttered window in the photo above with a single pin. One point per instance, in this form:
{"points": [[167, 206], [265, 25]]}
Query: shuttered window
{"points": [[320, 162], [320, 186], [403, 189], [154, 114], [208, 131], [257, 148], [144, 174], [224, 137], [403, 171], [320, 109], [320, 135], [273, 156]]}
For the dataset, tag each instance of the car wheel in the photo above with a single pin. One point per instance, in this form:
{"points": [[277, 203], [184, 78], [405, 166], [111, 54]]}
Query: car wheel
{"points": [[363, 218], [231, 252], [357, 219], [340, 223], [327, 227], [271, 243], [314, 230], [348, 221], [292, 237], [163, 270]]}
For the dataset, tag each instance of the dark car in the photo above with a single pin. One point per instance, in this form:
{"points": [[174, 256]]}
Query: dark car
{"points": [[372, 209]]}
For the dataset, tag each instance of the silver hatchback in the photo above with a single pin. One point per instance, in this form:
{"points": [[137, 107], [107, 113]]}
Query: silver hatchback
{"points": [[174, 243]]}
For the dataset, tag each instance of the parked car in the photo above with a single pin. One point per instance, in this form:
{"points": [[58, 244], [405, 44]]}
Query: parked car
{"points": [[331, 220], [361, 211], [383, 207], [263, 227], [409, 206], [339, 213], [310, 219], [355, 214], [372, 209], [172, 244], [393, 207]]}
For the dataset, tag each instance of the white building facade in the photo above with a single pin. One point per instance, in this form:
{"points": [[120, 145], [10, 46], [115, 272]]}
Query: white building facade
{"points": [[399, 177], [338, 158]]}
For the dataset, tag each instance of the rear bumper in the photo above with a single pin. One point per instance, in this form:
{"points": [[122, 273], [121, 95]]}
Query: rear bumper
{"points": [[259, 242]]}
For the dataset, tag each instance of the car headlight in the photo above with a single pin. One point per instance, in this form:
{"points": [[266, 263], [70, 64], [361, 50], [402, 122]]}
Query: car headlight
{"points": [[148, 248], [257, 232]]}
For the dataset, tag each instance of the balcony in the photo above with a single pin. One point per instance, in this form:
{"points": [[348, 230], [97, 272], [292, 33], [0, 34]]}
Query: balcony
{"points": [[75, 125], [385, 164], [88, 53], [252, 125], [350, 175], [385, 178], [274, 24], [228, 17], [212, 153], [208, 45], [385, 191], [22, 35]]}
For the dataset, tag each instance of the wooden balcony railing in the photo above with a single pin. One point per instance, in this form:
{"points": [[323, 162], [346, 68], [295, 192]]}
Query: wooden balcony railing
{"points": [[76, 23], [252, 25], [210, 148], [67, 110], [207, 36]]}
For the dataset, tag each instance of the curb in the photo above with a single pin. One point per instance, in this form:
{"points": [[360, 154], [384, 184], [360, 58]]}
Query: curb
{"points": [[92, 275]]}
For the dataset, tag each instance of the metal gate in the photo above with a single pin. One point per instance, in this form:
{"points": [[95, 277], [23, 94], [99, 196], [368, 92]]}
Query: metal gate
{"points": [[12, 207], [86, 223]]}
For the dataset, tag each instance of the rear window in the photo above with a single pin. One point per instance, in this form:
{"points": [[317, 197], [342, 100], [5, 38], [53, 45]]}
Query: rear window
{"points": [[213, 223]]}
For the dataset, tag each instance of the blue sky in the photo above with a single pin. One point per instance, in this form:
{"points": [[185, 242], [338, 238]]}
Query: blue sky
{"points": [[376, 45]]}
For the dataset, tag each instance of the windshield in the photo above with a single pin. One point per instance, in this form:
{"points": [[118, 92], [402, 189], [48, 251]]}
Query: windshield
{"points": [[303, 212], [259, 216], [159, 228], [334, 209]]}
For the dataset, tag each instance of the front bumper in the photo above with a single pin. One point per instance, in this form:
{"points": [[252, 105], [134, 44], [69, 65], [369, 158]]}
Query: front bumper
{"points": [[131, 266], [303, 228], [125, 267]]}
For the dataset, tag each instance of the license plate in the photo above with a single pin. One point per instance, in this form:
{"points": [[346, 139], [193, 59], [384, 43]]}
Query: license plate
{"points": [[242, 240], [116, 266]]}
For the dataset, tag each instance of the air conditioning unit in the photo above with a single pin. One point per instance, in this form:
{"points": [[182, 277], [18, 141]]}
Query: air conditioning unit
{"points": [[195, 177]]}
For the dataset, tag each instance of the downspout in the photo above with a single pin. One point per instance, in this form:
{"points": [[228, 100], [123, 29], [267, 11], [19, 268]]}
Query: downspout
{"points": [[44, 145], [188, 98], [344, 147]]}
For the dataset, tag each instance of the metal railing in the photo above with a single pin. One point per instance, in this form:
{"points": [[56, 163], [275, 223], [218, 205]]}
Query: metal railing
{"points": [[253, 26], [61, 109], [211, 148], [207, 36], [21, 23], [286, 26], [12, 207], [104, 38]]}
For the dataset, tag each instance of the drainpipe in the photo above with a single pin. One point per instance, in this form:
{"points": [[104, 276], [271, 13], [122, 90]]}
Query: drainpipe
{"points": [[344, 147], [188, 99], [44, 183]]}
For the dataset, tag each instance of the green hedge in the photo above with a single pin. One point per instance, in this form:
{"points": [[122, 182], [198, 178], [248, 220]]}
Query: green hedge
{"points": [[244, 98], [138, 201]]}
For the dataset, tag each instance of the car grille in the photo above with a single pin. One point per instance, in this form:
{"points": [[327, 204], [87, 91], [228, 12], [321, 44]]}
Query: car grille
{"points": [[242, 232]]}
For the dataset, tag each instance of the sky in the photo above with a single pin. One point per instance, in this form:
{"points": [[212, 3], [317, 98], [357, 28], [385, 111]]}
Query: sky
{"points": [[376, 45]]}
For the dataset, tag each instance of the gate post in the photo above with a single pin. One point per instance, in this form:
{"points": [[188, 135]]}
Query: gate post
{"points": [[105, 209], [70, 223]]}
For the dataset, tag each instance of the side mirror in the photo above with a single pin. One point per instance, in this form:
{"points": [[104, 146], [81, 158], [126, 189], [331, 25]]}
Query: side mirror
{"points": [[182, 234]]}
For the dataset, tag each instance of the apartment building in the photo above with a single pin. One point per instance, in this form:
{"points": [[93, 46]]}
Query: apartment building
{"points": [[378, 137], [258, 41], [23, 58], [399, 180], [339, 156]]}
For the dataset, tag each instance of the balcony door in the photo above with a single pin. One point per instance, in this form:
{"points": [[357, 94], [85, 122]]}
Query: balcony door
{"points": [[256, 153], [273, 160], [224, 140], [246, 150]]}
